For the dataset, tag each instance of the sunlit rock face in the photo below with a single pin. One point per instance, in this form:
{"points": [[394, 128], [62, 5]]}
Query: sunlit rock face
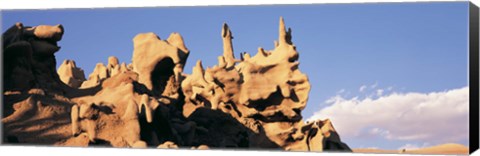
{"points": [[265, 92], [159, 62], [252, 102], [102, 72], [70, 74]]}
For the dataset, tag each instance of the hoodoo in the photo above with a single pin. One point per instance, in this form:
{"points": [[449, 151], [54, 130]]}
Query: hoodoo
{"points": [[252, 102]]}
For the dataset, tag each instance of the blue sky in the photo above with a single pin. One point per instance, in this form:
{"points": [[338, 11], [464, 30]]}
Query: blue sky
{"points": [[400, 47]]}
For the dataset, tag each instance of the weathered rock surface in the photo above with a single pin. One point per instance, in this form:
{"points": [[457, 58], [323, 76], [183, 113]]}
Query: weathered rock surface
{"points": [[28, 57], [70, 74], [102, 72], [251, 102], [159, 63], [35, 110]]}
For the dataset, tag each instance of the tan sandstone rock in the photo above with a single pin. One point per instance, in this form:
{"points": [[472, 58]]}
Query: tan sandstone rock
{"points": [[70, 74], [159, 63], [254, 102], [267, 87], [102, 72]]}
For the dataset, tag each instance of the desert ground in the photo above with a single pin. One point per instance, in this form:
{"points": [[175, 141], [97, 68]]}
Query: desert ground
{"points": [[450, 148]]}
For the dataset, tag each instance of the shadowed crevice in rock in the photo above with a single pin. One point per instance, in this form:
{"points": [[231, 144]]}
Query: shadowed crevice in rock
{"points": [[74, 92], [332, 144], [161, 74], [157, 132], [100, 143], [273, 99]]}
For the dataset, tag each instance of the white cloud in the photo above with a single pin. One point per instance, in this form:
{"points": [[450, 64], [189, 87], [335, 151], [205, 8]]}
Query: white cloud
{"points": [[409, 147], [413, 146], [379, 92], [362, 88], [365, 87], [390, 88], [435, 117]]}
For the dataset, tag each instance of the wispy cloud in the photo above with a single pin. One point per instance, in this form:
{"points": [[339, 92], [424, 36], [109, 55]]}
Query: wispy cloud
{"points": [[409, 147], [379, 92], [435, 117], [373, 86], [362, 88], [413, 146], [390, 88]]}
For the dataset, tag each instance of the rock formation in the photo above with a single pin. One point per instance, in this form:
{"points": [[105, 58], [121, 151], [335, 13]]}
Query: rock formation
{"points": [[70, 74], [252, 102], [35, 109], [159, 63], [102, 72], [28, 56]]}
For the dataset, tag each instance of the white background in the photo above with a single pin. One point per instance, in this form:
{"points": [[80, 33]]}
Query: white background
{"points": [[60, 151]]}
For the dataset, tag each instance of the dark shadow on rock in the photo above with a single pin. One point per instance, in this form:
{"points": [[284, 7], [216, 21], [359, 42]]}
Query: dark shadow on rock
{"points": [[224, 131], [157, 132], [39, 135], [100, 143], [273, 99], [74, 92], [8, 102], [10, 139], [333, 144], [161, 74]]}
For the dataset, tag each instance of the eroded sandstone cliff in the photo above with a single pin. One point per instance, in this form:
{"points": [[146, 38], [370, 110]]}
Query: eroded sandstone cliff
{"points": [[252, 102]]}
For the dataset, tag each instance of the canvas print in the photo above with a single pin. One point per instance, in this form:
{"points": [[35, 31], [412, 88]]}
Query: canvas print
{"points": [[368, 78]]}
